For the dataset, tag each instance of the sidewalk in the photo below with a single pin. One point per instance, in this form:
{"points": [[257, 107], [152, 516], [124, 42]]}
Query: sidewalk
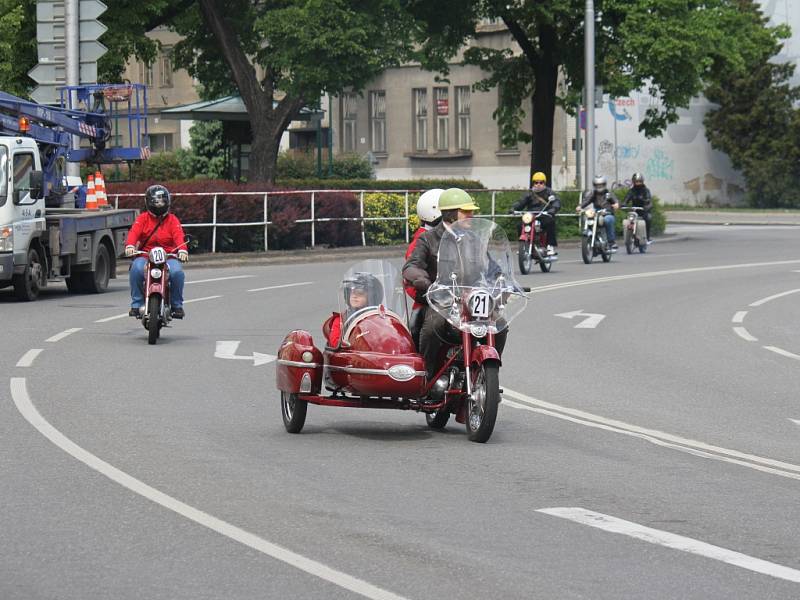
{"points": [[733, 217]]}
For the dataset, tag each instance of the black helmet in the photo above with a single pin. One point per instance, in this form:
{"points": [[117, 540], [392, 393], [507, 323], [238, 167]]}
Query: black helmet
{"points": [[366, 282], [637, 179], [599, 183], [156, 200]]}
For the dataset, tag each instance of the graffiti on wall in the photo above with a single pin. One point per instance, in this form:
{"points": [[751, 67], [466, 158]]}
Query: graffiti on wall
{"points": [[659, 166]]}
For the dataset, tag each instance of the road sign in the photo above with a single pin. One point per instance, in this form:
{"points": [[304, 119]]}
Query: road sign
{"points": [[51, 45]]}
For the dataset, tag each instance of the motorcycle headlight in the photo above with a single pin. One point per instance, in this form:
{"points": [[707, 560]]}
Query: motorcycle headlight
{"points": [[6, 238], [527, 217], [527, 228], [478, 330], [590, 213], [155, 273]]}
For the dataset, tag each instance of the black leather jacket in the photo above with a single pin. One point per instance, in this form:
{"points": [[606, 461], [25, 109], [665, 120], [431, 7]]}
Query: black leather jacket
{"points": [[600, 200], [639, 196], [536, 201]]}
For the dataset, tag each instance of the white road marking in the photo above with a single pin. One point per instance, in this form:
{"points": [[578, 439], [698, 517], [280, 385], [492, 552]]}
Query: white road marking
{"points": [[768, 298], [28, 358], [590, 321], [782, 352], [744, 334], [795, 421], [107, 319], [200, 299], [123, 315], [672, 540], [285, 285], [60, 336], [660, 438], [219, 279], [22, 400], [227, 350], [568, 284], [739, 316]]}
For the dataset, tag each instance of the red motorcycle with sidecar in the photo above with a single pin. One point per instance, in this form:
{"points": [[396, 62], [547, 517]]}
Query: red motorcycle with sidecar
{"points": [[374, 363]]}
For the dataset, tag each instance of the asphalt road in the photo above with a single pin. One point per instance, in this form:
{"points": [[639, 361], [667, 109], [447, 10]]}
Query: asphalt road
{"points": [[654, 455]]}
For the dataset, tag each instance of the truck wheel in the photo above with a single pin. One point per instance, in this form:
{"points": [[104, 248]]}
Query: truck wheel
{"points": [[96, 282], [27, 285]]}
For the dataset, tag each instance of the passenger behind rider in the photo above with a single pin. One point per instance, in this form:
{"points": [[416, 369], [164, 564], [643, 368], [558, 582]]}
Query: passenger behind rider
{"points": [[639, 195], [156, 227], [601, 198], [536, 200], [429, 217], [359, 291], [421, 269]]}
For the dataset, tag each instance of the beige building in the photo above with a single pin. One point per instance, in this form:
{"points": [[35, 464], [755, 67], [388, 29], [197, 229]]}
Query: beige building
{"points": [[416, 127]]}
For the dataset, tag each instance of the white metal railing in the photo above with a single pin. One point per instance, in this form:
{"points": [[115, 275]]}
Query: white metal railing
{"points": [[313, 220]]}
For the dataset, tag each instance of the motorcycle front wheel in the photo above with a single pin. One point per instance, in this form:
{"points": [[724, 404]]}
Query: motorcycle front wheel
{"points": [[628, 241], [482, 404], [294, 412], [586, 249], [524, 258], [153, 310]]}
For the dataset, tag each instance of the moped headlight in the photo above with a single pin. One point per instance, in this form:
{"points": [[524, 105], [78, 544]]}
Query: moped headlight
{"points": [[155, 273], [527, 217], [478, 330], [590, 213], [527, 228]]}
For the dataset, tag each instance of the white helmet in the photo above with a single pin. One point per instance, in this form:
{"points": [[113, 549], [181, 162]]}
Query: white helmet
{"points": [[428, 206]]}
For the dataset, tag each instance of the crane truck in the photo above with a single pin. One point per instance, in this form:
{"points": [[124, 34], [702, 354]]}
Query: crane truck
{"points": [[43, 236]]}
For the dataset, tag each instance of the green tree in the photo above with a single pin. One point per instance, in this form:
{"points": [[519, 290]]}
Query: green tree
{"points": [[757, 124], [672, 48], [17, 45], [208, 150]]}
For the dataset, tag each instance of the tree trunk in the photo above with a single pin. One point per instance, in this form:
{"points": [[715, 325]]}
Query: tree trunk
{"points": [[543, 105]]}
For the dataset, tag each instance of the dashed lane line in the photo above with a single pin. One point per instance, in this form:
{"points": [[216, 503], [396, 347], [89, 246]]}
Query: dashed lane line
{"points": [[285, 285], [28, 358], [219, 279], [60, 336], [672, 540], [124, 315], [773, 297], [739, 317], [744, 334], [660, 438], [22, 400], [782, 352]]}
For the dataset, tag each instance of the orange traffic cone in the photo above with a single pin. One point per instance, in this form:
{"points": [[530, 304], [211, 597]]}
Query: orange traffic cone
{"points": [[91, 197], [100, 190]]}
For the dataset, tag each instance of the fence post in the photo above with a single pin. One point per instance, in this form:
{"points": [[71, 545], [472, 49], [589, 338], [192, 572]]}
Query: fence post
{"points": [[266, 223], [116, 202], [214, 227], [312, 220], [406, 216], [493, 193], [361, 212]]}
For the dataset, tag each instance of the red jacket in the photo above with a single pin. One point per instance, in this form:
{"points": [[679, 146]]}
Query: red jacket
{"points": [[335, 333], [169, 235], [410, 288]]}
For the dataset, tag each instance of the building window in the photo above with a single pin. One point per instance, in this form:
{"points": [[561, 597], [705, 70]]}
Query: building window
{"points": [[349, 113], [421, 119], [462, 114], [377, 118], [442, 101], [160, 142], [165, 69], [146, 74]]}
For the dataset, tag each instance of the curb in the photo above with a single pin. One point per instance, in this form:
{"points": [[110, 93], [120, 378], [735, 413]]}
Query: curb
{"points": [[730, 223]]}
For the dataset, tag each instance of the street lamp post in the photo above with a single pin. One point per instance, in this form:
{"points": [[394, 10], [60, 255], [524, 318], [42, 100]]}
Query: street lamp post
{"points": [[588, 24]]}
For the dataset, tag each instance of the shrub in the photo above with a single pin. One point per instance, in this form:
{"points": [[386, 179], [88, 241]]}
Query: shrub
{"points": [[352, 166], [385, 205]]}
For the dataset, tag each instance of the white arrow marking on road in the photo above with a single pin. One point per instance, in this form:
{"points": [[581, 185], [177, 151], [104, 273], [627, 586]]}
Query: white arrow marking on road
{"points": [[591, 321], [672, 540], [795, 421], [227, 349]]}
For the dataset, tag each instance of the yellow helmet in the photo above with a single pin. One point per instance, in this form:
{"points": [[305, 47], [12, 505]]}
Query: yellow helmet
{"points": [[456, 198], [538, 176]]}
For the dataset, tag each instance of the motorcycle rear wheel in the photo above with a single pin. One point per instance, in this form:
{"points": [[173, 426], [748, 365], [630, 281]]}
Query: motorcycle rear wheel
{"points": [[482, 404], [642, 246], [524, 258], [293, 411], [153, 309], [586, 250]]}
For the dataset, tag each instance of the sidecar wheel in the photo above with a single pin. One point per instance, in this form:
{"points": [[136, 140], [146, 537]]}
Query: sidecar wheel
{"points": [[482, 405], [294, 412], [438, 419]]}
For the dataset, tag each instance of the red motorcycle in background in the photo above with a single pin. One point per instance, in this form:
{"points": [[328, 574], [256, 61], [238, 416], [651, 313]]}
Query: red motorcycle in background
{"points": [[376, 364], [533, 241]]}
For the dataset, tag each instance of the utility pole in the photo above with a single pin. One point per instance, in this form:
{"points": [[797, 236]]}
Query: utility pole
{"points": [[588, 29], [72, 63]]}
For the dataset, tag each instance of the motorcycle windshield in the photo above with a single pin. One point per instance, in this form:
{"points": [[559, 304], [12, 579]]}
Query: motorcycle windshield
{"points": [[475, 286], [368, 285]]}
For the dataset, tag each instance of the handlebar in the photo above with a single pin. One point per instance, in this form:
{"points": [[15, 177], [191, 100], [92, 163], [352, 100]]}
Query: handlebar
{"points": [[632, 208]]}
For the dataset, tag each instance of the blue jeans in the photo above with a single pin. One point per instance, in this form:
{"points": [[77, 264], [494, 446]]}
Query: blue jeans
{"points": [[176, 279], [609, 221]]}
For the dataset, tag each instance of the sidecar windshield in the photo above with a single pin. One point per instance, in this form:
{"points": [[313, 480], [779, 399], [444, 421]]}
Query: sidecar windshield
{"points": [[475, 283], [370, 284]]}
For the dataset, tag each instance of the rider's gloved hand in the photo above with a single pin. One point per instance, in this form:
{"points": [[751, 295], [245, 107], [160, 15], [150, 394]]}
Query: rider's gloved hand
{"points": [[422, 284], [577, 209], [129, 250], [183, 256]]}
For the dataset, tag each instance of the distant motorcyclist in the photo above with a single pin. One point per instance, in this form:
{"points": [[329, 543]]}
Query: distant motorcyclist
{"points": [[536, 200], [429, 217], [639, 195], [601, 197], [157, 226], [422, 268]]}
